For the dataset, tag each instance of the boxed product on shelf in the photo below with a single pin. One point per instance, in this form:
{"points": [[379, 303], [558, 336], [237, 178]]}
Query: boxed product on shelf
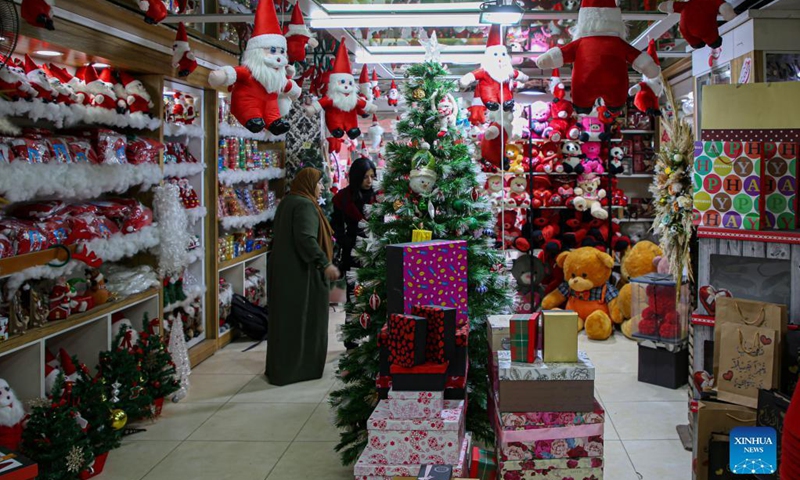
{"points": [[664, 367], [242, 154], [255, 286], [657, 313]]}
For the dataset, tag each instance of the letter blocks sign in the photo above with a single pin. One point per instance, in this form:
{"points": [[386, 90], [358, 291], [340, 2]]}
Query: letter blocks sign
{"points": [[746, 185]]}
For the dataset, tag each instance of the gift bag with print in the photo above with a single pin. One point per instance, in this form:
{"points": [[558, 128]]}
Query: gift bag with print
{"points": [[747, 363], [716, 418]]}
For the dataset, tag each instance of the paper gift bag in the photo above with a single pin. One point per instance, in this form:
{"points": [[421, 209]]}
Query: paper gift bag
{"points": [[791, 362], [772, 407], [753, 313], [719, 458], [560, 336], [716, 418], [747, 362]]}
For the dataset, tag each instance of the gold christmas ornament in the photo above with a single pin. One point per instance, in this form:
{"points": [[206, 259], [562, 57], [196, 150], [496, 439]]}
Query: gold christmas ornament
{"points": [[118, 419], [418, 94], [398, 204]]}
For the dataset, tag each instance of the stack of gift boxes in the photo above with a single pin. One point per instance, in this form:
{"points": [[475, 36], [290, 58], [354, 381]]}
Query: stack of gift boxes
{"points": [[420, 419], [546, 419]]}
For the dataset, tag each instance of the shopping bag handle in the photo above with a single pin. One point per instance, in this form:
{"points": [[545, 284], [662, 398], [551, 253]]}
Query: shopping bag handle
{"points": [[740, 419], [759, 319], [751, 351]]}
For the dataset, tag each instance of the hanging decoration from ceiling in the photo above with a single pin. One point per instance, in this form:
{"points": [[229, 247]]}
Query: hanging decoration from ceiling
{"points": [[298, 36], [599, 34], [182, 57], [698, 24], [38, 13], [256, 84], [155, 11], [647, 92]]}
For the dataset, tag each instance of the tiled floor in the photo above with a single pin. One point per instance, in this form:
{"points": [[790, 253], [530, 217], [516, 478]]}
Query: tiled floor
{"points": [[233, 425]]}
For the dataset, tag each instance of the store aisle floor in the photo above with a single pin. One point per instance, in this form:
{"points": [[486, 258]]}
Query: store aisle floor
{"points": [[233, 425]]}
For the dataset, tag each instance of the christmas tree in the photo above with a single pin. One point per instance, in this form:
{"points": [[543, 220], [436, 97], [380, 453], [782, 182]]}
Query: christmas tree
{"points": [[157, 365], [54, 437], [126, 384], [430, 183], [96, 409]]}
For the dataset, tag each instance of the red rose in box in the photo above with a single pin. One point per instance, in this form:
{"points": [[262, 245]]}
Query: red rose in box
{"points": [[657, 315]]}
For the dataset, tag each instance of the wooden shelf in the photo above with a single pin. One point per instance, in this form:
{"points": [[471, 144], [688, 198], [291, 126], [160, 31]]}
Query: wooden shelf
{"points": [[202, 351], [19, 263], [53, 328], [242, 258], [636, 220], [636, 175], [636, 132]]}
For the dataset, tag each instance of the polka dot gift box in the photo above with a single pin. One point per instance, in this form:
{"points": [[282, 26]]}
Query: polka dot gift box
{"points": [[745, 185], [427, 273]]}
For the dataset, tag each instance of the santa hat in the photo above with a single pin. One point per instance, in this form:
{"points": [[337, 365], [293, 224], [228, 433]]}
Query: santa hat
{"points": [[30, 65], [125, 78], [50, 376], [80, 72], [363, 79], [105, 75], [599, 18], [374, 78], [182, 39], [89, 74], [70, 371], [50, 359], [495, 41], [341, 65], [374, 118], [393, 85], [267, 30], [297, 25], [651, 50]]}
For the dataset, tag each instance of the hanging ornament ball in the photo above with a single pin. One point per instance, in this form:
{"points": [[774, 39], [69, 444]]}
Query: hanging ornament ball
{"points": [[459, 204], [475, 195], [398, 204], [474, 223], [374, 301], [677, 157], [118, 419], [481, 289], [418, 94], [364, 320], [488, 232], [357, 290], [156, 384]]}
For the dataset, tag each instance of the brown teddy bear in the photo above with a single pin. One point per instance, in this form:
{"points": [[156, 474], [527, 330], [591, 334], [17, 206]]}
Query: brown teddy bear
{"points": [[638, 261], [586, 290]]}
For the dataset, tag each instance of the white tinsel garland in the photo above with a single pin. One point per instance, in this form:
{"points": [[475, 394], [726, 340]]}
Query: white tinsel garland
{"points": [[180, 357], [246, 221], [184, 169], [230, 177], [173, 230]]}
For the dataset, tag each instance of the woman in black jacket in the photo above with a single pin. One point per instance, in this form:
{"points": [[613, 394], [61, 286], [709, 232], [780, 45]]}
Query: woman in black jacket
{"points": [[348, 211]]}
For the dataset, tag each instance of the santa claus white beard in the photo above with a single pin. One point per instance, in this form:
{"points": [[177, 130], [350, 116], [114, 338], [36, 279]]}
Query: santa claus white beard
{"points": [[12, 414], [342, 101], [269, 73], [100, 88], [499, 71], [136, 88], [41, 81], [599, 22]]}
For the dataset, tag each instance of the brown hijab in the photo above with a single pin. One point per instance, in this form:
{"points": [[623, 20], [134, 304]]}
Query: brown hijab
{"points": [[305, 185]]}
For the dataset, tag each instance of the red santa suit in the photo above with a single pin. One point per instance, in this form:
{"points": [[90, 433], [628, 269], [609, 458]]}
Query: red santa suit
{"points": [[183, 60], [178, 111], [154, 11], [249, 98], [75, 83], [136, 101], [120, 104], [38, 81], [600, 57], [376, 90], [699, 20], [38, 13], [14, 83], [492, 147], [298, 36], [393, 96], [645, 93]]}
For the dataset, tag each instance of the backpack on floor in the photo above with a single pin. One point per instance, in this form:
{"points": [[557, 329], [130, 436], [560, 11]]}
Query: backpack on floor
{"points": [[249, 318]]}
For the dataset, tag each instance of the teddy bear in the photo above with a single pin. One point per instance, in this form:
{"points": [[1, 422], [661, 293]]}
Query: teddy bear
{"points": [[637, 261], [591, 157], [588, 195], [511, 235], [549, 159], [518, 191], [615, 157], [540, 113], [541, 192], [562, 124], [571, 156], [494, 190], [592, 129], [586, 290], [515, 158]]}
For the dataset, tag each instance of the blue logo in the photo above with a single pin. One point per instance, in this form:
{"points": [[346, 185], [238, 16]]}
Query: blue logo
{"points": [[753, 450]]}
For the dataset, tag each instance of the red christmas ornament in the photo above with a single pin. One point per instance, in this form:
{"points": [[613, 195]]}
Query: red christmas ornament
{"points": [[358, 290], [364, 320], [374, 301]]}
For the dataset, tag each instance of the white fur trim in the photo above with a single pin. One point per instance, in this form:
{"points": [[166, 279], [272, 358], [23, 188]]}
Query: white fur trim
{"points": [[247, 220], [300, 30], [336, 77], [727, 12], [196, 213], [182, 129], [600, 22], [645, 65], [230, 75], [20, 181], [226, 130], [666, 7], [295, 91], [370, 108], [313, 43], [634, 90], [467, 80], [186, 169], [521, 77], [267, 40], [63, 115], [230, 177], [552, 58]]}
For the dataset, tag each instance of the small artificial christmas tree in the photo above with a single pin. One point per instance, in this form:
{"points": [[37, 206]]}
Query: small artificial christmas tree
{"points": [[430, 183], [54, 439], [126, 384], [157, 365], [96, 408]]}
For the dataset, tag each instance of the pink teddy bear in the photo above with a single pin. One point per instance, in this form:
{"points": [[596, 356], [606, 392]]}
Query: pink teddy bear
{"points": [[591, 158]]}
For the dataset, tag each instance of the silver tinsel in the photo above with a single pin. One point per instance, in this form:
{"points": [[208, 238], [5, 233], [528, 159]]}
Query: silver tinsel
{"points": [[173, 230], [180, 357]]}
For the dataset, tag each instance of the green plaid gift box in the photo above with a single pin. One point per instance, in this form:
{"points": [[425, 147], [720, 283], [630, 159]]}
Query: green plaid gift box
{"points": [[523, 337]]}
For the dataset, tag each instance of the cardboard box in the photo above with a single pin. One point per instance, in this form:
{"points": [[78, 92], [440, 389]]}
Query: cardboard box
{"points": [[659, 366], [560, 336], [583, 369], [365, 470], [427, 273], [499, 332], [563, 396], [411, 405]]}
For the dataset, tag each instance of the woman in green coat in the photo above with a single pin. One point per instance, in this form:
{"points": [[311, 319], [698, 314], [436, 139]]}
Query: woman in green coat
{"points": [[299, 273]]}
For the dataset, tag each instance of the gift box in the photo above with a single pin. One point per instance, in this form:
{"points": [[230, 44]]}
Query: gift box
{"points": [[560, 442], [413, 405], [383, 350], [421, 235], [407, 340], [455, 387], [499, 332], [771, 411], [17, 467], [483, 465], [539, 370], [427, 273], [441, 334], [435, 472], [745, 185], [524, 330], [395, 441], [663, 367], [555, 474], [560, 336], [656, 313], [459, 362], [550, 464], [525, 420], [364, 469], [426, 377]]}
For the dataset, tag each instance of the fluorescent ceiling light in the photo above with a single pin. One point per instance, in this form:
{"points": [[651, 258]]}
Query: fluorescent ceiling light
{"points": [[47, 53], [397, 20], [398, 49], [100, 65], [501, 12], [456, 58], [409, 8]]}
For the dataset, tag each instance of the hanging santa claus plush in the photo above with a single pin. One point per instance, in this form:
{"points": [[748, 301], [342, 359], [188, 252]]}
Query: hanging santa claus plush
{"points": [[646, 93], [154, 10], [38, 13], [365, 85], [699, 20], [256, 84], [393, 96], [37, 79], [495, 75], [376, 90], [12, 416], [341, 102], [135, 95], [494, 139], [298, 36], [375, 133], [182, 57], [600, 56]]}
